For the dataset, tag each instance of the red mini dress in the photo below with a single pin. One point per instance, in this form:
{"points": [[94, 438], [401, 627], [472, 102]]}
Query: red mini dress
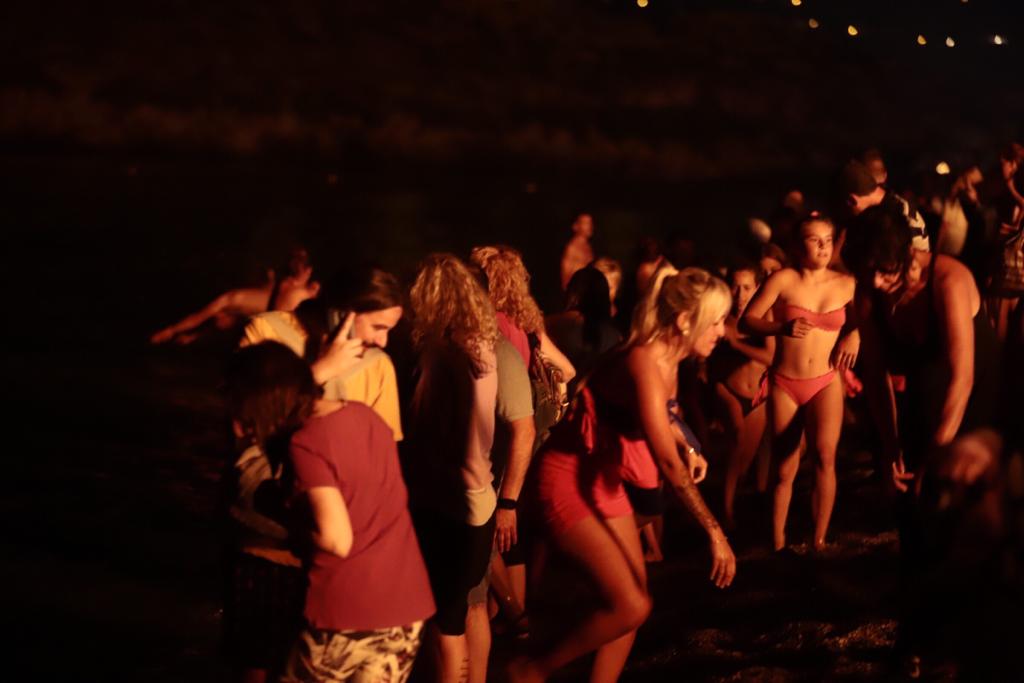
{"points": [[580, 468]]}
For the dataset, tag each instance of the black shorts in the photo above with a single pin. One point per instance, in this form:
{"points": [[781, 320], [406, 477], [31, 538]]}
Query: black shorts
{"points": [[645, 502], [457, 556]]}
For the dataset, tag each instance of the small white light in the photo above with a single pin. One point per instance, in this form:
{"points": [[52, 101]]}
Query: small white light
{"points": [[942, 168], [998, 39], [950, 42]]}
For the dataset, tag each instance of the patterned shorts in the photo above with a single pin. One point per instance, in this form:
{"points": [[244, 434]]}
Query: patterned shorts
{"points": [[380, 656]]}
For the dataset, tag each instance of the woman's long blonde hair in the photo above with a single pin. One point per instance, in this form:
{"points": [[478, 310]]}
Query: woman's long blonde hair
{"points": [[700, 295], [450, 306], [508, 283]]}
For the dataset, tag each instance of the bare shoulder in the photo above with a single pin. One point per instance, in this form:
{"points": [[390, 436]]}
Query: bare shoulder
{"points": [[783, 278], [846, 281], [951, 275], [643, 370], [642, 359], [640, 354], [947, 266]]}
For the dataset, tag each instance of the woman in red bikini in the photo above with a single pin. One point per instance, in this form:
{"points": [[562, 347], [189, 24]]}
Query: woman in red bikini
{"points": [[803, 388], [578, 479]]}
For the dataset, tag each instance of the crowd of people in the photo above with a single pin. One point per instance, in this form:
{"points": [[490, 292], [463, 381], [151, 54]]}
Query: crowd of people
{"points": [[369, 521]]}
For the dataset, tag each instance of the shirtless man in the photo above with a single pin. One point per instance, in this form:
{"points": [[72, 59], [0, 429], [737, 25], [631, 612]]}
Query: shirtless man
{"points": [[239, 304], [578, 252]]}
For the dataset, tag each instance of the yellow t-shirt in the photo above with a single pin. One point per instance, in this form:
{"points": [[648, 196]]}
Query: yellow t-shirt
{"points": [[372, 381]]}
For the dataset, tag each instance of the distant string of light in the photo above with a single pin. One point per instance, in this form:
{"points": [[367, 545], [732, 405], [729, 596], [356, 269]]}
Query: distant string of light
{"points": [[854, 31]]}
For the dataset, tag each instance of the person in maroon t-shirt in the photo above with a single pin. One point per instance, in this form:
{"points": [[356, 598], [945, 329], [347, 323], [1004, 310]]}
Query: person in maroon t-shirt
{"points": [[368, 591]]}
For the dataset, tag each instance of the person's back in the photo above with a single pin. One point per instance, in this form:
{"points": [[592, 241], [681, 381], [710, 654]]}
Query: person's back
{"points": [[451, 436], [452, 428], [382, 581], [584, 331], [568, 332]]}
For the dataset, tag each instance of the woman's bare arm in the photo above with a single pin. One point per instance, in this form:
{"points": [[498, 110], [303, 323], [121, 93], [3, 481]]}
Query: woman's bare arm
{"points": [[755, 320], [548, 348], [652, 402], [847, 348], [332, 528]]}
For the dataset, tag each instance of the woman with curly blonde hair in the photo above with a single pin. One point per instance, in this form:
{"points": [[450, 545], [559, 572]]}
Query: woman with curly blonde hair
{"points": [[448, 463], [520, 319]]}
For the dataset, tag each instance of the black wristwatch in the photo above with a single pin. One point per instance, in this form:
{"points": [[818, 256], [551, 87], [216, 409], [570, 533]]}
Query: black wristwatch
{"points": [[507, 503]]}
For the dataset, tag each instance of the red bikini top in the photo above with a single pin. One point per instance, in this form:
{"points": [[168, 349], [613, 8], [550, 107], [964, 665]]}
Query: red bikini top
{"points": [[830, 320]]}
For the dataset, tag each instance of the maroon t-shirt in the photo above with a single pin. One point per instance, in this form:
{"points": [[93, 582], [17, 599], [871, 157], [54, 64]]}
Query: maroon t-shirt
{"points": [[383, 581]]}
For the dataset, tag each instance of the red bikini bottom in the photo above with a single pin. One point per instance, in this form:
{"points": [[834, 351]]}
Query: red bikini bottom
{"points": [[800, 390]]}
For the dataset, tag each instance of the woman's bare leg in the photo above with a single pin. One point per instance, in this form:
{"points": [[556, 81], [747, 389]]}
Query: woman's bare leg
{"points": [[517, 580], [786, 432], [503, 588], [610, 552], [611, 658], [650, 535], [763, 460], [824, 423], [748, 439], [734, 414]]}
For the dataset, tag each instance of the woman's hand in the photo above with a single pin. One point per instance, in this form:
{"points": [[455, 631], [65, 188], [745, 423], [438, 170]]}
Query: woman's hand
{"points": [[900, 476], [341, 355], [723, 561], [798, 328], [696, 464], [844, 356]]}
